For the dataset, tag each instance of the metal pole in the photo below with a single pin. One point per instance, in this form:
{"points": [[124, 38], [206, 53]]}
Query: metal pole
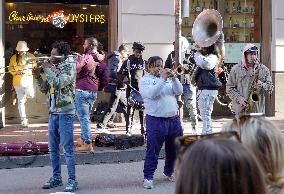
{"points": [[177, 32]]}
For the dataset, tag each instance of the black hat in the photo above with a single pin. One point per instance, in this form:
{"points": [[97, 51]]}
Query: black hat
{"points": [[252, 49], [139, 46]]}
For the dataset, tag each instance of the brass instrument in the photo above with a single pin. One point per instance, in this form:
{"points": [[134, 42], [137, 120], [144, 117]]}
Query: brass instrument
{"points": [[207, 28], [37, 59], [176, 71], [254, 95]]}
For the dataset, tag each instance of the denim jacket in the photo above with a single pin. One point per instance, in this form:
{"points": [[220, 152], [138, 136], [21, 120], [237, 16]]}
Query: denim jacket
{"points": [[60, 80]]}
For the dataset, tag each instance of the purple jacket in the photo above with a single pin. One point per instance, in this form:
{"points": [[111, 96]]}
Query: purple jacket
{"points": [[85, 67]]}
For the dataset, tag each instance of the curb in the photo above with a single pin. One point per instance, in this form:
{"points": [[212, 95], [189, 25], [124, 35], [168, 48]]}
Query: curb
{"points": [[99, 157]]}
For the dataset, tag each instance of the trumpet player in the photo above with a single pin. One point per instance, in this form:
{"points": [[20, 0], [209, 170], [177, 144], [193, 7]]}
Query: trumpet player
{"points": [[59, 84], [189, 91], [162, 119], [247, 78], [21, 70]]}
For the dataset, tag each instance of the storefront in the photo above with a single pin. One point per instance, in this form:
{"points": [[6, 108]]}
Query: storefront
{"points": [[40, 23]]}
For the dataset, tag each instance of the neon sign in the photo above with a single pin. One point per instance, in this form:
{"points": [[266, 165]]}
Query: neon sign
{"points": [[58, 18]]}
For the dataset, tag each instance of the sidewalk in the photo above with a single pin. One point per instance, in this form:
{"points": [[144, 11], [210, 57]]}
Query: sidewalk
{"points": [[38, 133]]}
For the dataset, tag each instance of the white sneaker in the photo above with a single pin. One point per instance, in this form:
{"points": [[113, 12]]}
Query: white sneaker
{"points": [[170, 178], [103, 130], [148, 184]]}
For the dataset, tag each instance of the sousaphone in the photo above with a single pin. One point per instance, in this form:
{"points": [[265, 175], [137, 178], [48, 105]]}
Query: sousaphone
{"points": [[207, 28]]}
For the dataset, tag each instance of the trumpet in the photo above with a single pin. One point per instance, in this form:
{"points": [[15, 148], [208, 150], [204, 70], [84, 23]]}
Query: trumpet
{"points": [[37, 59], [177, 71], [41, 59]]}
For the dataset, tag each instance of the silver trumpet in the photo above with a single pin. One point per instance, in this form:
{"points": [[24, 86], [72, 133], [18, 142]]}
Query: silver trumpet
{"points": [[41, 59]]}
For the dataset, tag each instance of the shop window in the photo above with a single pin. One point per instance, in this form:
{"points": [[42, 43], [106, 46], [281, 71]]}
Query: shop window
{"points": [[41, 24]]}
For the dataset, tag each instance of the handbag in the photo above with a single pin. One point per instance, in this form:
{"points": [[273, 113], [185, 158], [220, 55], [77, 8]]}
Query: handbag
{"points": [[135, 99]]}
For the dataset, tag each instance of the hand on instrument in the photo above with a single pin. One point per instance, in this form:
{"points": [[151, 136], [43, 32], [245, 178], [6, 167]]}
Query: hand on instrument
{"points": [[46, 64], [19, 72], [259, 84], [242, 101]]}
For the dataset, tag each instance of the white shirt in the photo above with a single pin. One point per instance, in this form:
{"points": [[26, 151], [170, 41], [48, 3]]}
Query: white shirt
{"points": [[206, 62], [159, 95]]}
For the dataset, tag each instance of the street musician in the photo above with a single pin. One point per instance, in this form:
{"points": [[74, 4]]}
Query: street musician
{"points": [[21, 70], [248, 83]]}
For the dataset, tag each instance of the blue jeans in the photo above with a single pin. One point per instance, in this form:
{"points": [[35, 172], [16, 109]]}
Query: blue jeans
{"points": [[84, 101], [160, 130], [60, 130]]}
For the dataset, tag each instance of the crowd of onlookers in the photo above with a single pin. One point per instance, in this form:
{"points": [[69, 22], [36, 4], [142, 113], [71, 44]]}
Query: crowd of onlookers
{"points": [[246, 157]]}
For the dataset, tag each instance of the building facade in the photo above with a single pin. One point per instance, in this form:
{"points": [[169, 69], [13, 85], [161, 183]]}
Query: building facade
{"points": [[150, 21]]}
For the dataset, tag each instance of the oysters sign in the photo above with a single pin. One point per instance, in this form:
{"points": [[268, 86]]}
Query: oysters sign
{"points": [[58, 18]]}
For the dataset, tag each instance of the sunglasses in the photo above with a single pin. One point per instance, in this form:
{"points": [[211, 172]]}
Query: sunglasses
{"points": [[184, 142], [245, 117]]}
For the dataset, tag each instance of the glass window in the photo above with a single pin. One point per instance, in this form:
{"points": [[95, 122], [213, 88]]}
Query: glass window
{"points": [[41, 24]]}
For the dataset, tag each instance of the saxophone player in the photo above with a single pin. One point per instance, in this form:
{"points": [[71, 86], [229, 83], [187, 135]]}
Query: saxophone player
{"points": [[247, 78]]}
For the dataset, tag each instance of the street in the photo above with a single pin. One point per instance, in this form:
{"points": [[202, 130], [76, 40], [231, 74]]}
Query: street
{"points": [[123, 178]]}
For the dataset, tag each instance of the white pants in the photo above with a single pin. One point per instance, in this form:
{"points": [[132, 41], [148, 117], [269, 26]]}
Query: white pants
{"points": [[206, 100], [22, 94]]}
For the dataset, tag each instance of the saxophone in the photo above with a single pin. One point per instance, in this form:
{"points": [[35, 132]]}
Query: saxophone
{"points": [[254, 95]]}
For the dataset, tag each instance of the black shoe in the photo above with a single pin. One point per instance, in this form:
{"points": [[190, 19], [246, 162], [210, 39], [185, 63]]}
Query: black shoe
{"points": [[52, 182]]}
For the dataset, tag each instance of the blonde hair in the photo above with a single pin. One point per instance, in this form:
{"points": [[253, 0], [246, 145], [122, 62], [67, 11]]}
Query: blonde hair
{"points": [[231, 125], [266, 142]]}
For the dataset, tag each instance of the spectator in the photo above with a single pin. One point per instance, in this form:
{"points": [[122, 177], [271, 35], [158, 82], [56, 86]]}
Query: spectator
{"points": [[219, 166], [118, 95], [266, 142]]}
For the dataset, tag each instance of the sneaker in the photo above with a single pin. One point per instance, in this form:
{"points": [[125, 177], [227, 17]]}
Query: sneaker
{"points": [[52, 182], [103, 130], [111, 125], [72, 186], [128, 133], [100, 126], [148, 184], [25, 124], [85, 148], [170, 178]]}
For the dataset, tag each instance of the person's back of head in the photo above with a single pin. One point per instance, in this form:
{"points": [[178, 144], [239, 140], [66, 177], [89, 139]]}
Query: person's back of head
{"points": [[231, 125], [219, 166], [266, 142]]}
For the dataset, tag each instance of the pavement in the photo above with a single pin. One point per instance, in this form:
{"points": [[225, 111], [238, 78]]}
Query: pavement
{"points": [[38, 133], [122, 178]]}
